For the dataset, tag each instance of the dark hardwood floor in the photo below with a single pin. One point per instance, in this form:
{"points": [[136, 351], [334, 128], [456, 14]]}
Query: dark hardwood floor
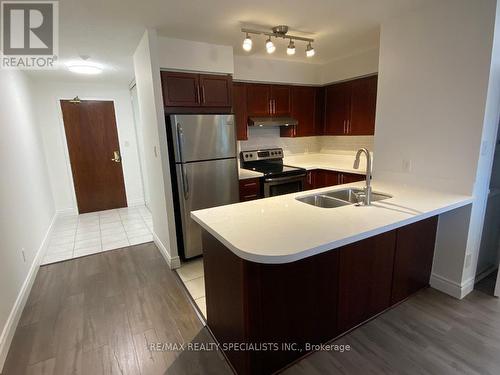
{"points": [[97, 315]]}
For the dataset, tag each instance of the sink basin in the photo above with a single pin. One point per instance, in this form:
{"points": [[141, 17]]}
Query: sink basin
{"points": [[323, 201], [354, 195], [339, 198]]}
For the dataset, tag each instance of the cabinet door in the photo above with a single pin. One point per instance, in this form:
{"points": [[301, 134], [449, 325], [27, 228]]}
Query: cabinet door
{"points": [[347, 178], [280, 96], [413, 258], [249, 189], [215, 90], [337, 112], [309, 180], [258, 99], [331, 178], [363, 106], [180, 89], [240, 110], [365, 277], [319, 111], [303, 110]]}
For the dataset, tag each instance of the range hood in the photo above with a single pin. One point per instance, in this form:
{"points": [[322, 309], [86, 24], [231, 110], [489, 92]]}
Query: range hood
{"points": [[272, 121]]}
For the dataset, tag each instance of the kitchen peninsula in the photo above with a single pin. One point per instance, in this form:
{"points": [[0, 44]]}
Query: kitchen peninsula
{"points": [[280, 270]]}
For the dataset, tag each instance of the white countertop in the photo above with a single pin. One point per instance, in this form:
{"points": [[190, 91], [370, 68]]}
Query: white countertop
{"points": [[281, 229], [331, 162]]}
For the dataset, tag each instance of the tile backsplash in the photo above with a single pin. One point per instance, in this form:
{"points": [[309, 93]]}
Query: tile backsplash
{"points": [[259, 138]]}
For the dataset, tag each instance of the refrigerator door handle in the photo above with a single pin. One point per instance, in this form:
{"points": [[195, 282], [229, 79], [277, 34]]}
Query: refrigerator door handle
{"points": [[185, 182]]}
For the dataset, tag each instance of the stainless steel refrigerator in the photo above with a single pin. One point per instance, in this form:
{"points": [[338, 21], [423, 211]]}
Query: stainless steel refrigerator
{"points": [[206, 169]]}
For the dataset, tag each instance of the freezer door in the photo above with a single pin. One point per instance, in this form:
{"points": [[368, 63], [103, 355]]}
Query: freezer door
{"points": [[203, 185], [203, 137]]}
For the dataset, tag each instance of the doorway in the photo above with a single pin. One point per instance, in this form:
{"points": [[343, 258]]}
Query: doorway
{"points": [[94, 153]]}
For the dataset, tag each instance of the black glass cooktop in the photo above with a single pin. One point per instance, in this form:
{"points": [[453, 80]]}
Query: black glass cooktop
{"points": [[273, 168]]}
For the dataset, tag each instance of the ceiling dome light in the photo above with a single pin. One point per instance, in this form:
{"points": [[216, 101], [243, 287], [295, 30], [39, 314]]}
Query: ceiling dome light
{"points": [[270, 48], [247, 43], [310, 50], [84, 68], [291, 48]]}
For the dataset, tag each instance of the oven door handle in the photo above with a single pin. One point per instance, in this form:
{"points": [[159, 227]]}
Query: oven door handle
{"points": [[289, 178]]}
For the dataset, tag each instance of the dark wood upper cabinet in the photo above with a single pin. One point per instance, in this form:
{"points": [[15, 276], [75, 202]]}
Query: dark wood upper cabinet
{"points": [[303, 103], [240, 110], [337, 108], [258, 99], [215, 90], [413, 259], [280, 100], [350, 107], [319, 111], [180, 89], [184, 90], [365, 277], [363, 105]]}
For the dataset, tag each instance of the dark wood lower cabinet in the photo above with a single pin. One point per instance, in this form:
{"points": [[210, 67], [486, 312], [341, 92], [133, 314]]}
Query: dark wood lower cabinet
{"points": [[319, 178], [249, 189], [413, 260], [281, 307], [365, 279]]}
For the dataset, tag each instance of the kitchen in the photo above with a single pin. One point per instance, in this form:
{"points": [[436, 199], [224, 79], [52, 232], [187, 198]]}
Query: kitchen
{"points": [[292, 138], [302, 189]]}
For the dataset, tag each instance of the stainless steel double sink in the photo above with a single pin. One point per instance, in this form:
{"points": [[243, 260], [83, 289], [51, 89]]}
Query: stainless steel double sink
{"points": [[339, 198]]}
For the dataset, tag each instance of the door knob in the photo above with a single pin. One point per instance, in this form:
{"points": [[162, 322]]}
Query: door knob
{"points": [[116, 157]]}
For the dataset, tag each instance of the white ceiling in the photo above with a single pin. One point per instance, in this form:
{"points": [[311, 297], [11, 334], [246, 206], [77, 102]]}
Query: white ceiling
{"points": [[108, 31]]}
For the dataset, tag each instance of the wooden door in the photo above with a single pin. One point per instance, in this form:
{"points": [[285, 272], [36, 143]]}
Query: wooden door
{"points": [[180, 89], [215, 90], [337, 112], [413, 258], [258, 100], [303, 102], [363, 106], [240, 110], [92, 141], [280, 96], [365, 277]]}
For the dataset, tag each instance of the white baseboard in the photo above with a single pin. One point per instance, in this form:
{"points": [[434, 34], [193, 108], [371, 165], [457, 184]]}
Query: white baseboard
{"points": [[173, 262], [450, 287], [67, 212], [135, 202], [15, 314]]}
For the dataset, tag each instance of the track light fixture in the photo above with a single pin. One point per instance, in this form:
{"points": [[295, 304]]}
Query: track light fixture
{"points": [[278, 32], [291, 48]]}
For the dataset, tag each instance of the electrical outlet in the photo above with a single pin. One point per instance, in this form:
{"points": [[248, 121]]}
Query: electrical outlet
{"points": [[406, 166], [24, 255]]}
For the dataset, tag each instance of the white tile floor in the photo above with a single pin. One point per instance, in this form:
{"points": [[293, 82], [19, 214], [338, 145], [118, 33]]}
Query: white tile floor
{"points": [[192, 275], [80, 235]]}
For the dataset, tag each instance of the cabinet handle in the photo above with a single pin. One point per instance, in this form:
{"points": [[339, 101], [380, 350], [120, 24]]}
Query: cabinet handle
{"points": [[344, 126], [198, 96], [250, 184], [270, 106], [274, 106], [203, 94], [348, 126]]}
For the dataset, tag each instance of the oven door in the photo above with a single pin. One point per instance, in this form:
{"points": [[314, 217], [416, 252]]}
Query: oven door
{"points": [[283, 185]]}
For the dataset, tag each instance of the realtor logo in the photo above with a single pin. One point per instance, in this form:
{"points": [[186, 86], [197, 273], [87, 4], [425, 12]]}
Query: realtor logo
{"points": [[29, 34]]}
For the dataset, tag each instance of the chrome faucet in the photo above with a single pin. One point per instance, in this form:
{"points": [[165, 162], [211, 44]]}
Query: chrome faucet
{"points": [[368, 188]]}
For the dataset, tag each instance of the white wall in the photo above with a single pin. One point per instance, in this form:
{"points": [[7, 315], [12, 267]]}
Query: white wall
{"points": [[140, 144], [247, 68], [148, 83], [27, 207], [196, 56], [357, 65], [434, 74], [49, 117]]}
